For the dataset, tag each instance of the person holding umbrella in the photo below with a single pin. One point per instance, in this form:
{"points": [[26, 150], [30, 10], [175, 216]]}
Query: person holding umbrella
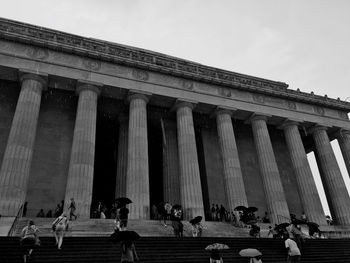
{"points": [[123, 211], [127, 247], [253, 254], [197, 227], [214, 252]]}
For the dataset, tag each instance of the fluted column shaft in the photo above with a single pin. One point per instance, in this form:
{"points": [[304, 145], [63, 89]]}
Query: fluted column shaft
{"points": [[81, 166], [14, 173], [122, 161], [343, 138], [137, 181], [171, 179], [306, 184], [234, 185], [336, 192], [190, 183], [276, 201]]}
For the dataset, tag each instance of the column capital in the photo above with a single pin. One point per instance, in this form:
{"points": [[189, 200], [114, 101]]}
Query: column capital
{"points": [[41, 77], [135, 94], [224, 110], [317, 127], [258, 116], [88, 85], [184, 103], [340, 132], [289, 122]]}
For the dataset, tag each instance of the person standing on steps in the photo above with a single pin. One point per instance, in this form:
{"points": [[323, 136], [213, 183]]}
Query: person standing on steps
{"points": [[59, 227], [128, 252], [292, 250], [72, 208], [29, 239], [123, 217]]}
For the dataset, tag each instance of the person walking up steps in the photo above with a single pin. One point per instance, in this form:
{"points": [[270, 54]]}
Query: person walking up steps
{"points": [[72, 208], [59, 227]]}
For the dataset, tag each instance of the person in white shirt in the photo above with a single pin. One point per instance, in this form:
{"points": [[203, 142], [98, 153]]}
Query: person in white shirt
{"points": [[293, 251]]}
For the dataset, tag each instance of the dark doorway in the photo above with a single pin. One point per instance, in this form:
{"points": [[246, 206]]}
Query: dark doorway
{"points": [[155, 155], [105, 161]]}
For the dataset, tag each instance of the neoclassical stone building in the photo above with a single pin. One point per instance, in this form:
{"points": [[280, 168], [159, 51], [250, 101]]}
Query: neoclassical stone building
{"points": [[95, 120]]}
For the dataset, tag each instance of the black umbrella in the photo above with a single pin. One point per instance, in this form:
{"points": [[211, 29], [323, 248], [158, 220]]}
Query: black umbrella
{"points": [[196, 220], [240, 208], [281, 226], [176, 206], [251, 209], [127, 235], [312, 224], [121, 201]]}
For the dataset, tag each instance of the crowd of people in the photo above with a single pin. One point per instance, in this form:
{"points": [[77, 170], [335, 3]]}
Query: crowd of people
{"points": [[289, 232]]}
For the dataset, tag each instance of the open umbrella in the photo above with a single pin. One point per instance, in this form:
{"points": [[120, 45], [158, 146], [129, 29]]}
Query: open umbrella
{"points": [[250, 252], [121, 201], [240, 208], [312, 224], [196, 220], [251, 209], [281, 226], [176, 206], [127, 235], [217, 246]]}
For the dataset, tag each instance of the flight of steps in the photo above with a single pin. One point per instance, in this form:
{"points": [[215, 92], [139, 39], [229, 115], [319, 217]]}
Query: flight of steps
{"points": [[171, 250], [104, 227]]}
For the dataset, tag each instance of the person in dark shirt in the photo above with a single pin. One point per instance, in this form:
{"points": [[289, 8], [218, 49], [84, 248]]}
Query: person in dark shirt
{"points": [[123, 217]]}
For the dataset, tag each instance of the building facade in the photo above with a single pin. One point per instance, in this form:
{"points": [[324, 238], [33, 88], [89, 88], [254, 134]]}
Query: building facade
{"points": [[94, 120]]}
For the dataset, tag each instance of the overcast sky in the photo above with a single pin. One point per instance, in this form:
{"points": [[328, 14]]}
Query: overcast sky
{"points": [[303, 43]]}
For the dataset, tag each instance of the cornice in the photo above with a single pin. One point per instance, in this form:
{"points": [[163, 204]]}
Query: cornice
{"points": [[153, 61]]}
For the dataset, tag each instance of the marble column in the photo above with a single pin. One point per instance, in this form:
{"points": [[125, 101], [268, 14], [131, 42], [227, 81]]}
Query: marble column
{"points": [[81, 166], [122, 161], [171, 172], [274, 193], [306, 184], [190, 183], [343, 137], [15, 169], [233, 179], [137, 181], [336, 192]]}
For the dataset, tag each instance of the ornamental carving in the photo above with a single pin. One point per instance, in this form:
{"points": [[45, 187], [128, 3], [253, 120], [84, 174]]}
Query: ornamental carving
{"points": [[291, 105], [140, 74], [259, 98], [318, 110], [37, 53], [343, 115], [225, 92], [91, 64], [187, 84]]}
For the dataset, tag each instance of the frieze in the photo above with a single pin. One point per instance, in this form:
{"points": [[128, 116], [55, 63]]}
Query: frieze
{"points": [[259, 98], [343, 115], [92, 64], [319, 110], [148, 60], [187, 85], [37, 53], [225, 92], [291, 105], [140, 74]]}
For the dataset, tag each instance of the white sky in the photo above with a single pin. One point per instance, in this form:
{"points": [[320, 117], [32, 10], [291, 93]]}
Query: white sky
{"points": [[303, 43]]}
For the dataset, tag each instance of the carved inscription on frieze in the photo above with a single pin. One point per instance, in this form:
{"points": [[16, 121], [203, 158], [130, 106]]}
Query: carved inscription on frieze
{"points": [[225, 92], [37, 53], [291, 105], [343, 115], [259, 98], [91, 64], [140, 74], [187, 84], [318, 110]]}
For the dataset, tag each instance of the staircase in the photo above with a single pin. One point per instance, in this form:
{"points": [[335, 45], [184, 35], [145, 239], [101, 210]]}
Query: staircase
{"points": [[171, 250], [104, 227]]}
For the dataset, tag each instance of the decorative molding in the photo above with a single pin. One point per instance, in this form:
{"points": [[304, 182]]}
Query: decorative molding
{"points": [[150, 61]]}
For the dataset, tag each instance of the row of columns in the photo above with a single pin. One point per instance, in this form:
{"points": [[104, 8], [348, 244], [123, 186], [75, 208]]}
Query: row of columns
{"points": [[15, 167]]}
